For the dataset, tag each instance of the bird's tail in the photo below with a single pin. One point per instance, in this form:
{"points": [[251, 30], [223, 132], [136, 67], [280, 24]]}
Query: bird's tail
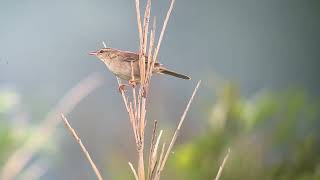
{"points": [[172, 73]]}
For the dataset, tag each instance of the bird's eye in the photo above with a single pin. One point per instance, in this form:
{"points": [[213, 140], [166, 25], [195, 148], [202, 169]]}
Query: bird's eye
{"points": [[101, 51]]}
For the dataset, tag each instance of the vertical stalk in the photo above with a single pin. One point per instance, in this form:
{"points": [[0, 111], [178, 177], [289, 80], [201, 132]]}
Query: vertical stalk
{"points": [[141, 173]]}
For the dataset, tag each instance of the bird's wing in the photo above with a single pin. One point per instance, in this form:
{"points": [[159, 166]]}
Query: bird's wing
{"points": [[132, 57], [129, 56]]}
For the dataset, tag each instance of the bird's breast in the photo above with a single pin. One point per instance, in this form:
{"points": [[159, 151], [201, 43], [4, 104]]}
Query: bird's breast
{"points": [[121, 69]]}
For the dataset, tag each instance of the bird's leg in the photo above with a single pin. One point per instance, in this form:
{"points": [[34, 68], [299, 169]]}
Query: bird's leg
{"points": [[132, 83]]}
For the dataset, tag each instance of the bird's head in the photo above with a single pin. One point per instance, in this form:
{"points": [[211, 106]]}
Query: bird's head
{"points": [[103, 54]]}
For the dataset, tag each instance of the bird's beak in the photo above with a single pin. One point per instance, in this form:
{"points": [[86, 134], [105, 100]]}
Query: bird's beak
{"points": [[93, 53]]}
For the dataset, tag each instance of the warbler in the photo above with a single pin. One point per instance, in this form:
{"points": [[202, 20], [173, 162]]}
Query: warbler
{"points": [[119, 63]]}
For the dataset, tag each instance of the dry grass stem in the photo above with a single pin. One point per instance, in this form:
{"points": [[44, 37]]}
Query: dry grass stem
{"points": [[83, 148], [136, 104], [152, 146], [104, 44], [133, 171], [222, 165], [139, 21], [157, 172], [146, 21], [154, 158], [20, 157], [151, 61], [176, 133], [165, 22]]}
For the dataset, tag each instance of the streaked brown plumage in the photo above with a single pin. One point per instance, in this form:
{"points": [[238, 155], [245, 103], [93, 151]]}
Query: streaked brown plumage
{"points": [[119, 63]]}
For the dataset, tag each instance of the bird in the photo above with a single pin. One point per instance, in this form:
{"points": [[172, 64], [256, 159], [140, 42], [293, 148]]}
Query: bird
{"points": [[119, 63]]}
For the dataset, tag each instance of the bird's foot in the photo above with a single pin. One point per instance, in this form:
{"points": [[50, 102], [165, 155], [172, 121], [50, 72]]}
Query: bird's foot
{"points": [[121, 88], [132, 83]]}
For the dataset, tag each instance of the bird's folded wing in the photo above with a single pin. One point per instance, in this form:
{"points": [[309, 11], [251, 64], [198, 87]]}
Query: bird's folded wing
{"points": [[130, 56]]}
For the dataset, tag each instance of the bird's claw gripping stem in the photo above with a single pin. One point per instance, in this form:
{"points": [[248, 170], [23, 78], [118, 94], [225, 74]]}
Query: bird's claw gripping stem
{"points": [[132, 83], [121, 88]]}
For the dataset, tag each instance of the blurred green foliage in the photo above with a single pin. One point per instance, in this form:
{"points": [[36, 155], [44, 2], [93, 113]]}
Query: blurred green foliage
{"points": [[6, 142], [15, 127], [8, 138], [271, 136]]}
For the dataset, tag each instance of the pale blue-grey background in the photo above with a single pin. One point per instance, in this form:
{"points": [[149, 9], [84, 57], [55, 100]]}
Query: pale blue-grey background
{"points": [[258, 44]]}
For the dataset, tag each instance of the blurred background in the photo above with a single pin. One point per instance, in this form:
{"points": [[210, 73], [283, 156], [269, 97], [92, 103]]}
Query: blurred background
{"points": [[258, 62]]}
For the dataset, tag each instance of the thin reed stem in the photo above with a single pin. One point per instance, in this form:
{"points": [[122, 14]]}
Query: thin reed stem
{"points": [[133, 171], [222, 165], [176, 133], [165, 22], [83, 148]]}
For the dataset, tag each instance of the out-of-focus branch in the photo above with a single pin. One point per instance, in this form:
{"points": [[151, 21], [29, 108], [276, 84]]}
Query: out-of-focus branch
{"points": [[35, 171], [19, 158]]}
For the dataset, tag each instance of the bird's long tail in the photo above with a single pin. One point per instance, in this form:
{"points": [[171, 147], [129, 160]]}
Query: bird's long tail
{"points": [[172, 73]]}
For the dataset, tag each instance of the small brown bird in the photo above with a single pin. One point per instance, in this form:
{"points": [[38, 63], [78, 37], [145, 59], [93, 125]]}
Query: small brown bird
{"points": [[119, 63]]}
